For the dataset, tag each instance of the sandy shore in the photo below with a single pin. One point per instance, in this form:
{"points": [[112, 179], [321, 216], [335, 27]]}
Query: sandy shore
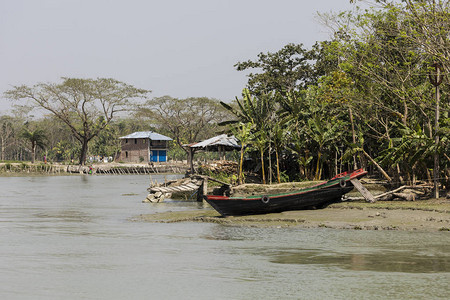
{"points": [[425, 215]]}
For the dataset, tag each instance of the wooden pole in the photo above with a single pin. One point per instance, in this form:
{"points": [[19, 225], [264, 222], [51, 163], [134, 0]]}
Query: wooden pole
{"points": [[436, 141], [191, 159], [436, 80]]}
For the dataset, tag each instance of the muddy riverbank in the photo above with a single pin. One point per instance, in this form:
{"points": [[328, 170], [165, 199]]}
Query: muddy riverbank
{"points": [[425, 215]]}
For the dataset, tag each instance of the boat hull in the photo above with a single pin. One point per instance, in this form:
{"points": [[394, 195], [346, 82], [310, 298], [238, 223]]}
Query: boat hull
{"points": [[317, 196]]}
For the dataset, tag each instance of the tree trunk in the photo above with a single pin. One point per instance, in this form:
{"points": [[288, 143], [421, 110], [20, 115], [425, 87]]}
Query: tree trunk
{"points": [[317, 176], [353, 135], [436, 141], [33, 152], [2, 157], [405, 112], [190, 154], [270, 164], [262, 167], [278, 166], [241, 164], [301, 170], [84, 150]]}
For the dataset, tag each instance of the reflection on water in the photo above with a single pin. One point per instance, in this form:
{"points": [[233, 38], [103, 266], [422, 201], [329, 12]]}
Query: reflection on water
{"points": [[379, 262], [72, 237]]}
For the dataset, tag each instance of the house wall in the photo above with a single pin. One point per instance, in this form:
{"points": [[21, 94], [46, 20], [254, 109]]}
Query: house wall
{"points": [[134, 149]]}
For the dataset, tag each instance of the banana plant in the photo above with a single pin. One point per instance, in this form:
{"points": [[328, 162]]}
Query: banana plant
{"points": [[258, 112], [323, 132], [414, 147], [243, 133], [259, 142]]}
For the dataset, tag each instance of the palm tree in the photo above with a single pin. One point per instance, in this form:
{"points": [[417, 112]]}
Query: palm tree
{"points": [[37, 138]]}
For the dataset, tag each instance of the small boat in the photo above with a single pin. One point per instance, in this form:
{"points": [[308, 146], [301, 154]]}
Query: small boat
{"points": [[317, 196]]}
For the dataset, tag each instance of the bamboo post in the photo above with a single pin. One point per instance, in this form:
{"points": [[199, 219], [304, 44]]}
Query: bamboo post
{"points": [[202, 190]]}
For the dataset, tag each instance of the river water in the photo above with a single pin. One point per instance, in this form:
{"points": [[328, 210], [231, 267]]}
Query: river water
{"points": [[73, 237]]}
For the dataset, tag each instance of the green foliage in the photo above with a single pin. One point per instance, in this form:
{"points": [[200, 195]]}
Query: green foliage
{"points": [[65, 151], [285, 70], [222, 176], [107, 142]]}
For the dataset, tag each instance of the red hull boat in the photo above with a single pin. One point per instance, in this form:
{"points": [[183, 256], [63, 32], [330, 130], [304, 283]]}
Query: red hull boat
{"points": [[317, 196]]}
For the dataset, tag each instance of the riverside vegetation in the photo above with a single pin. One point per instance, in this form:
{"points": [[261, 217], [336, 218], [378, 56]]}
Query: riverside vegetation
{"points": [[374, 96]]}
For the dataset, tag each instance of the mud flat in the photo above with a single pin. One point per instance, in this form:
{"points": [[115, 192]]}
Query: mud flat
{"points": [[424, 215]]}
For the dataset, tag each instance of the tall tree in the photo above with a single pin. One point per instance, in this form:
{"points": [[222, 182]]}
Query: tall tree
{"points": [[86, 106], [285, 70]]}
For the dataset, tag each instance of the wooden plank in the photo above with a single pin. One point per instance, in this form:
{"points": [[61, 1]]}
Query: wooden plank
{"points": [[366, 194], [177, 188], [186, 188], [192, 186]]}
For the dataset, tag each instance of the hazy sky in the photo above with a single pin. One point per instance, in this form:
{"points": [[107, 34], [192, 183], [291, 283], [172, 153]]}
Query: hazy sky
{"points": [[181, 48]]}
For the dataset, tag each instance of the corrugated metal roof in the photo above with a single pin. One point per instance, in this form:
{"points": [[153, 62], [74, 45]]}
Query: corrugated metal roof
{"points": [[147, 134], [220, 140]]}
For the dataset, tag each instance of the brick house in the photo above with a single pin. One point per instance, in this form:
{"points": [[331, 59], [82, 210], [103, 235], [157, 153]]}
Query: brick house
{"points": [[144, 146]]}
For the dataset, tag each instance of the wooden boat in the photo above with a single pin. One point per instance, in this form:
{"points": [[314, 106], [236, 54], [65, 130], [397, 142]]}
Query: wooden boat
{"points": [[317, 196]]}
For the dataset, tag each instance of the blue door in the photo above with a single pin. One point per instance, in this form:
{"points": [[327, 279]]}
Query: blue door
{"points": [[158, 155], [154, 156], [162, 155]]}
